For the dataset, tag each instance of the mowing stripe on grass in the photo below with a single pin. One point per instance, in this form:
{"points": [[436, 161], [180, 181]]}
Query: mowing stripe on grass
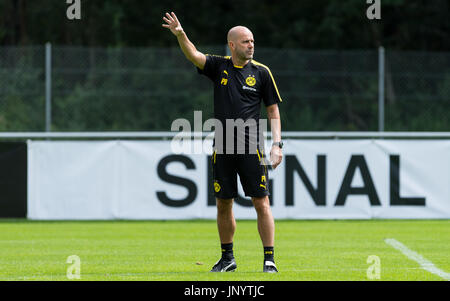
{"points": [[424, 263]]}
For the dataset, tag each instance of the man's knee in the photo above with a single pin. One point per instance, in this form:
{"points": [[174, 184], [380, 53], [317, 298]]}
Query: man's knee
{"points": [[224, 205], [261, 204]]}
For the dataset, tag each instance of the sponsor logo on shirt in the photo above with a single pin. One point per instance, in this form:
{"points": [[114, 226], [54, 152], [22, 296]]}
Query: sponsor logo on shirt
{"points": [[249, 88]]}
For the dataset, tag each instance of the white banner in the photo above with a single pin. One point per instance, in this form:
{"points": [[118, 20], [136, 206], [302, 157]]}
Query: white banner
{"points": [[318, 179]]}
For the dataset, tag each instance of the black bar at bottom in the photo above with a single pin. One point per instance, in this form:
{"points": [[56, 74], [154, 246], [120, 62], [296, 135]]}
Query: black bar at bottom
{"points": [[226, 290]]}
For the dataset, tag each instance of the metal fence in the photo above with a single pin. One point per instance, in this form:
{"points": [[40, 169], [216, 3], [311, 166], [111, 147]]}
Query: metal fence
{"points": [[62, 88]]}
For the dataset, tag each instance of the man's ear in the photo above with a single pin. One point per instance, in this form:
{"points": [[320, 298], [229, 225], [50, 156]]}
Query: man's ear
{"points": [[231, 45]]}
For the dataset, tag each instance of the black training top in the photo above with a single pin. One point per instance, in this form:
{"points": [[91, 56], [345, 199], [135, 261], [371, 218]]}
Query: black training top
{"points": [[238, 90]]}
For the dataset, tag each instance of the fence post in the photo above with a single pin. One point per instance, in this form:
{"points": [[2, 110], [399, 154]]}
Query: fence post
{"points": [[48, 87], [381, 89]]}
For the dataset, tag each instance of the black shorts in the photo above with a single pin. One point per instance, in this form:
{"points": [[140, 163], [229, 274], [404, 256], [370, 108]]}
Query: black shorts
{"points": [[252, 171]]}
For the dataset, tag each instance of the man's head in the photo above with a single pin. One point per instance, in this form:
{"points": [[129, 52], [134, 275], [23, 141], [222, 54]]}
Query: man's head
{"points": [[241, 43]]}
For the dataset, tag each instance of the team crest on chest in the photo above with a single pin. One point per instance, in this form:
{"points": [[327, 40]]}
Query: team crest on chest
{"points": [[250, 80]]}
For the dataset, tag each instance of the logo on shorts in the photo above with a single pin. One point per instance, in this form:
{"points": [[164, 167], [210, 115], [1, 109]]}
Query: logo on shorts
{"points": [[251, 81], [216, 187]]}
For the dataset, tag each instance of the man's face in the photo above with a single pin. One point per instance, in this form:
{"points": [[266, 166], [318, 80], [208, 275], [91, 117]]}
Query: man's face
{"points": [[244, 46]]}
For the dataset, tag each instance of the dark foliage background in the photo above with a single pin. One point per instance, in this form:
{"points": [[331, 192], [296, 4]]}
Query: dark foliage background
{"points": [[329, 24], [114, 68]]}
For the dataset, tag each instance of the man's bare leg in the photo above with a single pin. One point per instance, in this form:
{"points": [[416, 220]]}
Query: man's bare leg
{"points": [[266, 225], [226, 223], [266, 229]]}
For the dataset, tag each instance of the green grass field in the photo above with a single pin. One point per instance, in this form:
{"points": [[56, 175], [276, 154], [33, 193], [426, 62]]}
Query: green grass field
{"points": [[171, 250]]}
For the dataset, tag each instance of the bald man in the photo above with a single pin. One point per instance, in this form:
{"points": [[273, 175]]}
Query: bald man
{"points": [[240, 85]]}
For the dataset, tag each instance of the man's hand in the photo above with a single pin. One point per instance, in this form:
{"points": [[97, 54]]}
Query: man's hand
{"points": [[189, 50], [276, 155], [173, 24]]}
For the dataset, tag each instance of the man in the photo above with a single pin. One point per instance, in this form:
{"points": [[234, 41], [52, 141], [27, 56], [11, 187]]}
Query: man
{"points": [[240, 83]]}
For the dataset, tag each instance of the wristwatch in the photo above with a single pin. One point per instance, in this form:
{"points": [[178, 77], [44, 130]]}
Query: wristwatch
{"points": [[279, 144]]}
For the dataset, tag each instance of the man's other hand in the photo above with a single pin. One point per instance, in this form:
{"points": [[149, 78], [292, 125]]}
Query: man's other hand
{"points": [[276, 155]]}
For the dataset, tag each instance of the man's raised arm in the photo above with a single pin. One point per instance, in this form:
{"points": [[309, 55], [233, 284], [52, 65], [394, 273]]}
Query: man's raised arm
{"points": [[189, 50]]}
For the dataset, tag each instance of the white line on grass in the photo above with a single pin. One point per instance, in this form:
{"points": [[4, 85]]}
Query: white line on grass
{"points": [[424, 263]]}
